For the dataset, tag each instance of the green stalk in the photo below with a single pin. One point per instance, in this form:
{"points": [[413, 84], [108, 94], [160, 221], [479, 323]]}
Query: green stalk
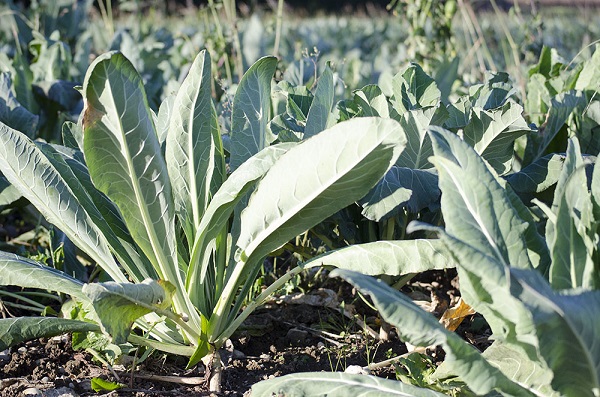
{"points": [[21, 298], [260, 299]]}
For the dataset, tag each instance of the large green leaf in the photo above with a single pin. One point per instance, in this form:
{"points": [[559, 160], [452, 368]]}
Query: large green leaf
{"points": [[26, 273], [250, 113], [475, 205], [194, 152], [422, 329], [401, 187], [220, 209], [520, 369], [414, 89], [36, 178], [124, 158], [539, 175], [69, 163], [372, 102], [493, 132], [12, 113], [569, 232], [320, 108], [337, 384], [567, 325], [387, 257], [21, 329], [315, 179], [118, 305]]}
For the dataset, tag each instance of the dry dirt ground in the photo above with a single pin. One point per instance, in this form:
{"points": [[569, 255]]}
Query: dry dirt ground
{"points": [[296, 333]]}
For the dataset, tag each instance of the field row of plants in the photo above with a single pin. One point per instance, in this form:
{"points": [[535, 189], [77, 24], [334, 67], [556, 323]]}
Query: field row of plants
{"points": [[171, 175]]}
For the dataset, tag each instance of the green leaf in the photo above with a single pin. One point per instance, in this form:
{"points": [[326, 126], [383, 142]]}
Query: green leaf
{"points": [[220, 209], [520, 369], [393, 258], [70, 164], [539, 175], [570, 233], [401, 187], [418, 148], [414, 89], [318, 115], [372, 102], [315, 179], [422, 329], [250, 113], [99, 384], [337, 384], [163, 123], [124, 158], [194, 151], [567, 326], [36, 178], [493, 133], [474, 204], [118, 305], [590, 74], [21, 329], [26, 273], [12, 113]]}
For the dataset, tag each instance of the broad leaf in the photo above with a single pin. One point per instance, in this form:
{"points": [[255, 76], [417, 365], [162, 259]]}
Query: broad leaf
{"points": [[351, 156], [567, 327], [118, 305], [250, 113], [16, 330], [221, 207], [492, 225], [12, 113], [401, 187], [124, 158], [422, 329], [520, 369], [569, 233], [493, 133], [337, 384], [318, 115], [26, 273], [36, 178], [539, 175], [194, 152], [372, 102], [414, 89], [393, 258]]}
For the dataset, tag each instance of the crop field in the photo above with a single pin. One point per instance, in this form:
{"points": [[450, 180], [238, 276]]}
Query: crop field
{"points": [[256, 199]]}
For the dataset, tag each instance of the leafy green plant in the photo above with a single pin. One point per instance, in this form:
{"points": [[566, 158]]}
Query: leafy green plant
{"points": [[150, 203], [544, 340]]}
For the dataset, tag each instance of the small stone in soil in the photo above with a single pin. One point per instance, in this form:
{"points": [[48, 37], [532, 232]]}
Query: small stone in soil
{"points": [[61, 392], [22, 350], [32, 391], [265, 357]]}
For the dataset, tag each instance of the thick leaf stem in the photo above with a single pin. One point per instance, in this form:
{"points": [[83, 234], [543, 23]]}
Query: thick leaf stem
{"points": [[256, 303]]}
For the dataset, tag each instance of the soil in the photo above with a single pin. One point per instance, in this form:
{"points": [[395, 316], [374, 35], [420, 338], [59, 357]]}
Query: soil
{"points": [[295, 333]]}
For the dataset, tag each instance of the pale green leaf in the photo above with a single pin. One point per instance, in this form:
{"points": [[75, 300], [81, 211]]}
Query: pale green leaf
{"points": [[32, 173], [221, 207], [567, 326], [475, 205], [422, 329], [124, 158], [12, 113], [26, 273], [400, 188], [393, 258], [372, 102], [118, 305], [164, 118], [318, 115], [493, 133], [414, 89], [520, 369], [539, 175], [250, 113], [194, 151], [337, 384], [21, 329], [317, 178]]}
